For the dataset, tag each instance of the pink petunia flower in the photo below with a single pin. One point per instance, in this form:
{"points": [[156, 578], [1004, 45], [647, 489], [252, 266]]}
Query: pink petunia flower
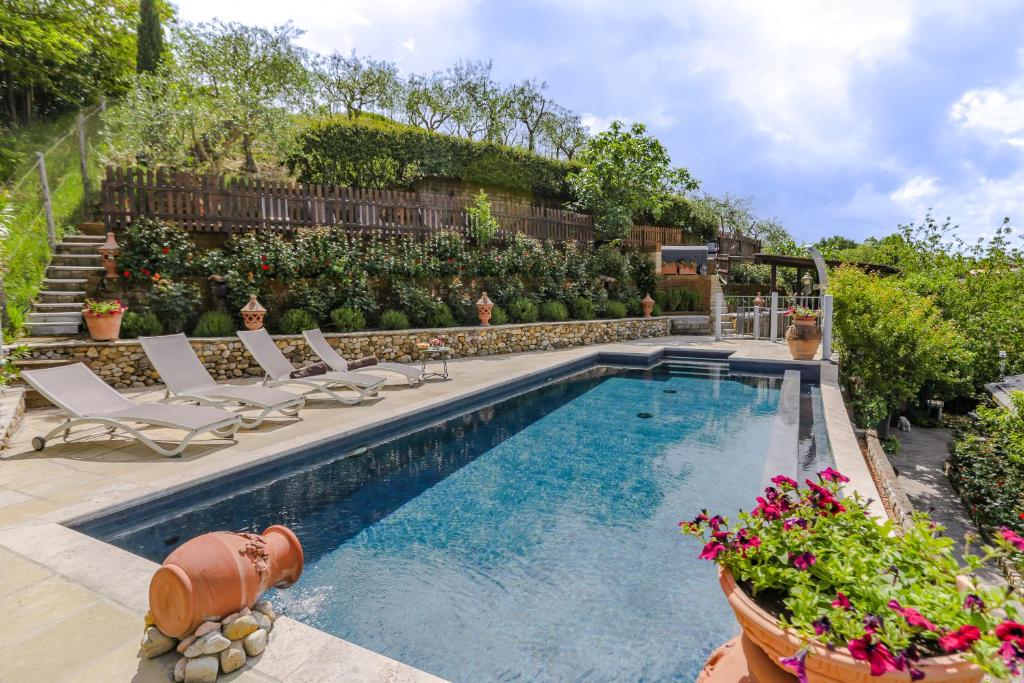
{"points": [[797, 665], [842, 602], [783, 480], [712, 550], [913, 617], [877, 655], [1010, 631], [793, 522], [1012, 538], [829, 474], [802, 561], [960, 639]]}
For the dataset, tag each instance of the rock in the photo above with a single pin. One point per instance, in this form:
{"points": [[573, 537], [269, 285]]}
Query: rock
{"points": [[244, 611], [206, 627], [241, 627], [179, 669], [155, 643], [201, 669], [186, 644], [264, 607], [233, 657], [263, 620], [229, 618], [210, 644], [255, 642]]}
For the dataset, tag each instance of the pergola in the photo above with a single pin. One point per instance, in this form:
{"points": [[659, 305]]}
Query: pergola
{"points": [[806, 264]]}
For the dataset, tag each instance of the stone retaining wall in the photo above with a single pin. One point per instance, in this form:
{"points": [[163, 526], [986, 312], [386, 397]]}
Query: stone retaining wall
{"points": [[124, 365]]}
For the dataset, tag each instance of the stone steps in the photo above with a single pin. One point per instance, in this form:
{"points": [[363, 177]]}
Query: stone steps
{"points": [[57, 306], [57, 296], [65, 284], [66, 248], [85, 239], [90, 260], [73, 271], [51, 329]]}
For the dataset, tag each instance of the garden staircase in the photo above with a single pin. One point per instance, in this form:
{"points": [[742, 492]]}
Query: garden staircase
{"points": [[75, 265]]}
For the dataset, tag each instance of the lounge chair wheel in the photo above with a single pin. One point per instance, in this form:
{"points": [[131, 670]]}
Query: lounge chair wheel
{"points": [[38, 443]]}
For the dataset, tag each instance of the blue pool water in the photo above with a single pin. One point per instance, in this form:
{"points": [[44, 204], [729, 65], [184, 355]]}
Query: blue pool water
{"points": [[531, 540]]}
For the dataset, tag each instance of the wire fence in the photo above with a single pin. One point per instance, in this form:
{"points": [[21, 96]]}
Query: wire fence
{"points": [[48, 197]]}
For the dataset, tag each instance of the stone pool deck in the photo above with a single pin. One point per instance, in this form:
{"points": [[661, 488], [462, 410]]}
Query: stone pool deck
{"points": [[74, 605]]}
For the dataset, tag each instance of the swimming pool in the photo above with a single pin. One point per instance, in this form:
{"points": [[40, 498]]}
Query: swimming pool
{"points": [[532, 539]]}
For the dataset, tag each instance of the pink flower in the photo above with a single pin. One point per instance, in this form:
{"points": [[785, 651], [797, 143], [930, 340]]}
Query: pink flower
{"points": [[974, 603], [875, 654], [783, 480], [1012, 655], [1010, 631], [821, 625], [794, 522], [913, 617], [802, 561], [823, 499], [829, 474], [746, 540], [960, 639], [842, 602], [767, 510], [796, 665], [1012, 538], [712, 550]]}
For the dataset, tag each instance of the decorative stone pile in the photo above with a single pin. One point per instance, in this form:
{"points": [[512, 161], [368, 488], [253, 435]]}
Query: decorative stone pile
{"points": [[215, 647], [124, 365]]}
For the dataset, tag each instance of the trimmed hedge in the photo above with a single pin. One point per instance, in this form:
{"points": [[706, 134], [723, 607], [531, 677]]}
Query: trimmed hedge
{"points": [[215, 324], [381, 154]]}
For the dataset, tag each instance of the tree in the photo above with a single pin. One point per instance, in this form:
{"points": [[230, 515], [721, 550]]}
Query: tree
{"points": [[356, 84], [149, 38], [531, 108], [774, 238], [831, 246], [429, 101], [624, 173], [563, 133]]}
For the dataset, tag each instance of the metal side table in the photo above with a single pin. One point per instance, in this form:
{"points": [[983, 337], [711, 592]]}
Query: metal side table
{"points": [[435, 353]]}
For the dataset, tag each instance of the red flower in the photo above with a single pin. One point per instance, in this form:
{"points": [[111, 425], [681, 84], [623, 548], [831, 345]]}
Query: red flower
{"points": [[712, 550], [829, 474], [127, 273], [145, 272], [156, 277], [823, 498], [265, 267], [1010, 631], [783, 480], [876, 654], [166, 250], [1012, 538], [1020, 516], [802, 561], [913, 617], [842, 602], [960, 639], [767, 510]]}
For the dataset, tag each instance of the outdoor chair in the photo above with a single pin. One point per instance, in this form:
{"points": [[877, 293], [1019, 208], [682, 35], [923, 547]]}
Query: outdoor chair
{"points": [[322, 348]]}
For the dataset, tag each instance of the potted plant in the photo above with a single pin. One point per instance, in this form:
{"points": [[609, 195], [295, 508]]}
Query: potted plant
{"points": [[803, 335], [103, 318], [832, 594]]}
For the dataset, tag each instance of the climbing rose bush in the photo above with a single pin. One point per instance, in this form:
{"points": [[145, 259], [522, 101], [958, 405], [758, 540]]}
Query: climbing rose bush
{"points": [[838, 577]]}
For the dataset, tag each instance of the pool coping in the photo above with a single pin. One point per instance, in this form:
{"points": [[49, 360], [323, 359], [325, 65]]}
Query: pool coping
{"points": [[121, 577]]}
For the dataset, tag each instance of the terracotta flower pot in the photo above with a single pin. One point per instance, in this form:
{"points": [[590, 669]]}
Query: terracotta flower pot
{"points": [[109, 252], [823, 665], [216, 574], [105, 327], [253, 313], [803, 337], [484, 307], [647, 305]]}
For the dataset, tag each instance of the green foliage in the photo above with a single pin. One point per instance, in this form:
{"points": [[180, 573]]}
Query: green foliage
{"points": [[368, 153], [483, 226], [348, 319], [149, 249], [615, 309], [894, 345], [353, 84], [803, 550], [523, 311], [583, 309], [394, 320], [656, 310], [624, 173], [296, 321], [149, 38], [215, 324], [697, 216], [144, 324], [553, 311], [498, 315], [744, 273], [174, 303], [9, 371], [678, 299], [831, 247]]}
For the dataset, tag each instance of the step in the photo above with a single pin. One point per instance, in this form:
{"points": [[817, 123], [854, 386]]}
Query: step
{"points": [[54, 317], [92, 228], [51, 329], [56, 296], [65, 284], [81, 272], [87, 248], [85, 239], [57, 306], [88, 260]]}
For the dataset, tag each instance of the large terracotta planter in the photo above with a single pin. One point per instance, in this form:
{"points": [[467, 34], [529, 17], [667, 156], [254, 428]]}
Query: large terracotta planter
{"points": [[823, 665], [803, 338], [484, 307], [647, 305], [106, 327], [217, 574]]}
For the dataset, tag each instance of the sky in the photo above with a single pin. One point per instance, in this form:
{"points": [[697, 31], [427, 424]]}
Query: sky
{"points": [[833, 117]]}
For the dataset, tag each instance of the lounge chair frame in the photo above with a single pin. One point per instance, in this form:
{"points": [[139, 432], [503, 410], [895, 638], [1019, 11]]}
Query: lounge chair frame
{"points": [[316, 341]]}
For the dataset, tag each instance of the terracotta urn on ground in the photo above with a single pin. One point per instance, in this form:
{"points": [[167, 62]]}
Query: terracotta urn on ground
{"points": [[103, 327], [823, 665], [109, 252], [483, 309], [803, 337], [253, 314], [647, 305], [217, 574]]}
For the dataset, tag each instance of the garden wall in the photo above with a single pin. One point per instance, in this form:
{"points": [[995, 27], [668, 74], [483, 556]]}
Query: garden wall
{"points": [[124, 365]]}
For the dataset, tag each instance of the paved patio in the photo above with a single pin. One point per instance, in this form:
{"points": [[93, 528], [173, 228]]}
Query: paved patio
{"points": [[76, 603]]}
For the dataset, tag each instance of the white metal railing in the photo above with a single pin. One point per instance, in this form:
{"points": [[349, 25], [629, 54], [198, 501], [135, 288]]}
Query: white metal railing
{"points": [[764, 317]]}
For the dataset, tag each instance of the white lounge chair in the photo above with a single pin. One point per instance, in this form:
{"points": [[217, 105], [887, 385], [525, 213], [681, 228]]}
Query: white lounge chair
{"points": [[187, 380], [88, 400], [322, 348], [278, 371]]}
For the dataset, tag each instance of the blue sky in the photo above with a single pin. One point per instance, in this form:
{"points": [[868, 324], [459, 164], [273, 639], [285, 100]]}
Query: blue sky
{"points": [[834, 117]]}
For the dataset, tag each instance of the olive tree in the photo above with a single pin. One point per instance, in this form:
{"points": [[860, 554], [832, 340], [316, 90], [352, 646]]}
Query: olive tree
{"points": [[356, 84], [430, 101]]}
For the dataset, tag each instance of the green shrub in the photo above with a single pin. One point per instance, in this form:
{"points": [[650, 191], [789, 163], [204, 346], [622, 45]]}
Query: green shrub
{"points": [[149, 247], [145, 324], [440, 316], [348, 319], [633, 306], [296, 320], [174, 303], [394, 320], [583, 309], [656, 310], [554, 311], [215, 324], [523, 311], [498, 315], [615, 309], [674, 299]]}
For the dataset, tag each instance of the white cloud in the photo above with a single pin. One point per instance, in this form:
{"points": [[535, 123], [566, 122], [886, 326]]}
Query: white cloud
{"points": [[409, 44], [915, 189], [992, 113]]}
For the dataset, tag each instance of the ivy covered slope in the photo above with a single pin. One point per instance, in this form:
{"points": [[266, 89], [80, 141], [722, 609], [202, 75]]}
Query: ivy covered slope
{"points": [[378, 153]]}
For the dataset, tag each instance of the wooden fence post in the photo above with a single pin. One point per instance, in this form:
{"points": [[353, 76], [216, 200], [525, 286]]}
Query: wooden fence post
{"points": [[51, 229], [83, 159]]}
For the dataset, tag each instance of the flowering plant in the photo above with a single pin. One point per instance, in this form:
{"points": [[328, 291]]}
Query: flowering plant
{"points": [[838, 577], [802, 312], [437, 342], [101, 307]]}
